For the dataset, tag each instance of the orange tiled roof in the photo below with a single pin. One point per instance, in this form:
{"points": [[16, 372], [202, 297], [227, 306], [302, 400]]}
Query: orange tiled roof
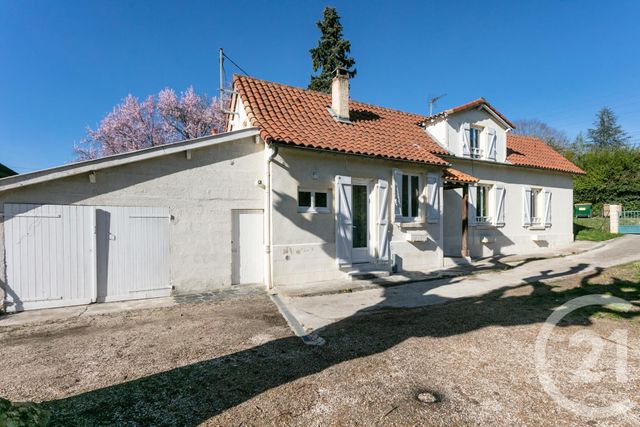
{"points": [[300, 117], [454, 175], [469, 105], [530, 151]]}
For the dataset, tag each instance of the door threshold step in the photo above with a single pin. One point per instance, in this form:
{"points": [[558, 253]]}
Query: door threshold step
{"points": [[366, 272]]}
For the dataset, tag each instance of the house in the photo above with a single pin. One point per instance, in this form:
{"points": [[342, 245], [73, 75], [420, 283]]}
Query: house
{"points": [[301, 188]]}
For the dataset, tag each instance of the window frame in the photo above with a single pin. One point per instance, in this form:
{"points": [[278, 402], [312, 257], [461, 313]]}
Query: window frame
{"points": [[313, 208], [476, 152], [409, 217], [535, 206], [488, 204]]}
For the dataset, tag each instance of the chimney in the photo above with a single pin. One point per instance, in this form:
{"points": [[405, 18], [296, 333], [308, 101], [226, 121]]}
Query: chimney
{"points": [[340, 94]]}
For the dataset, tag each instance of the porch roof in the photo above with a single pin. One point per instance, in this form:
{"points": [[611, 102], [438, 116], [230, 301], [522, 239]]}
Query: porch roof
{"points": [[458, 177]]}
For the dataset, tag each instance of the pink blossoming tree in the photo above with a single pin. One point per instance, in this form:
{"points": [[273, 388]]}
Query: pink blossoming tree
{"points": [[133, 125]]}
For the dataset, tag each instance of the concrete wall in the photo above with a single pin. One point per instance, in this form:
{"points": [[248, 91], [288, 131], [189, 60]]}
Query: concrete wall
{"points": [[304, 244], [513, 237], [200, 194]]}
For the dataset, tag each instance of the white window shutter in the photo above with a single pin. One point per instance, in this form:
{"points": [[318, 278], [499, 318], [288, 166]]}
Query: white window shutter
{"points": [[492, 140], [397, 195], [500, 197], [472, 205], [526, 207], [383, 220], [547, 208], [433, 198], [464, 139], [344, 220]]}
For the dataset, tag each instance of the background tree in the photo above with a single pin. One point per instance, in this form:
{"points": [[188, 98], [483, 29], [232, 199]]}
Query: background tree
{"points": [[607, 133], [133, 125], [332, 52], [533, 127]]}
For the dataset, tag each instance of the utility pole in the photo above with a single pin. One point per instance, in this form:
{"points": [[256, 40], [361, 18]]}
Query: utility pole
{"points": [[433, 101]]}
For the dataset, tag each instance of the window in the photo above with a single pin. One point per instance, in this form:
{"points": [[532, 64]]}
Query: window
{"points": [[474, 142], [313, 201], [536, 206], [482, 204], [410, 196]]}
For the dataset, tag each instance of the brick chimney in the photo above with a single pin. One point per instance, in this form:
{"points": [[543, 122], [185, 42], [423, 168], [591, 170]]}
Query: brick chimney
{"points": [[340, 94]]}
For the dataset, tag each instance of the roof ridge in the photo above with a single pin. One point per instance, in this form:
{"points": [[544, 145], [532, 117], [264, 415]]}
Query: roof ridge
{"points": [[417, 115]]}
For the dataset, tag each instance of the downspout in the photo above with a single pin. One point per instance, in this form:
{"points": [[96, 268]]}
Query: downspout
{"points": [[270, 153]]}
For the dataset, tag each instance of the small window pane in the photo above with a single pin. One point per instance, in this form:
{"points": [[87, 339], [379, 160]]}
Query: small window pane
{"points": [[405, 195], [321, 200], [304, 199], [414, 196], [479, 201]]}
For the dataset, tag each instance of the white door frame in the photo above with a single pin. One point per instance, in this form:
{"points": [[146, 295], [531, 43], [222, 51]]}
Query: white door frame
{"points": [[236, 259], [363, 255]]}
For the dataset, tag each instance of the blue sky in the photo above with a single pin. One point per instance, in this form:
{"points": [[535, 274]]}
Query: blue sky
{"points": [[64, 65]]}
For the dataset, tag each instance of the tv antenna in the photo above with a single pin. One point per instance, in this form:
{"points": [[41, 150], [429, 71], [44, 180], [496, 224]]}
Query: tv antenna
{"points": [[223, 90], [433, 100]]}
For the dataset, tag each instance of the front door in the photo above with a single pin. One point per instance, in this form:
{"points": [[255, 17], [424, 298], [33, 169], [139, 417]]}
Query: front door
{"points": [[360, 227]]}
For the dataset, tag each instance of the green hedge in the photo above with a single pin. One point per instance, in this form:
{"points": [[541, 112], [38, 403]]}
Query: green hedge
{"points": [[613, 176]]}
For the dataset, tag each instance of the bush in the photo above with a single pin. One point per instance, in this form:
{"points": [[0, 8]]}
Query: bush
{"points": [[22, 414]]}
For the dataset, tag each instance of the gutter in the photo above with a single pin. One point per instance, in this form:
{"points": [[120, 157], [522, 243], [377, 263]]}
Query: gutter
{"points": [[270, 152], [369, 156]]}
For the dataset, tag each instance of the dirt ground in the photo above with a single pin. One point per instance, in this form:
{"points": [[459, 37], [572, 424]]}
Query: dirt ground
{"points": [[236, 362]]}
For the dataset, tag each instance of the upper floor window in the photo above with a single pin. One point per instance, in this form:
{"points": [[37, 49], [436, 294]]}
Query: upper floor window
{"points": [[474, 142]]}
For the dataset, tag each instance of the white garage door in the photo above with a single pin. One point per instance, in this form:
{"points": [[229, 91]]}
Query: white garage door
{"points": [[133, 253], [50, 256], [68, 255]]}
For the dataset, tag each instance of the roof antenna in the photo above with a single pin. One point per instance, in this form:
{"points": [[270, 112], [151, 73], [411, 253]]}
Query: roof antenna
{"points": [[223, 90], [433, 100], [221, 71]]}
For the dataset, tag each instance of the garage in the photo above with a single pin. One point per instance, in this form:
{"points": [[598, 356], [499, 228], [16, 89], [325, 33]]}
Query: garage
{"points": [[62, 255], [183, 218]]}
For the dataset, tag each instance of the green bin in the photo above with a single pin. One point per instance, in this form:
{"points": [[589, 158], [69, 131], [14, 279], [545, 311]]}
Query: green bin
{"points": [[583, 210]]}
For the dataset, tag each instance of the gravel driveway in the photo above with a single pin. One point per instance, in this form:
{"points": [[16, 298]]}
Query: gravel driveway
{"points": [[235, 362]]}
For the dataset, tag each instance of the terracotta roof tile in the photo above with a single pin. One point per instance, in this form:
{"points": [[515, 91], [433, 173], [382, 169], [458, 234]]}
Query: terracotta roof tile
{"points": [[300, 117], [530, 151], [454, 175], [469, 105]]}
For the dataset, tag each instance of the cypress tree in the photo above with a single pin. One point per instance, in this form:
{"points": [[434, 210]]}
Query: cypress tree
{"points": [[607, 132], [332, 52]]}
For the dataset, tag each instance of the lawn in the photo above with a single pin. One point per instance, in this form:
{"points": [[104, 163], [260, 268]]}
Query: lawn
{"points": [[235, 362], [595, 229]]}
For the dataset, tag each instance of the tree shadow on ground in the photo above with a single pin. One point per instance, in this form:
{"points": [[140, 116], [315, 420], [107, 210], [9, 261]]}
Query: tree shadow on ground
{"points": [[192, 394]]}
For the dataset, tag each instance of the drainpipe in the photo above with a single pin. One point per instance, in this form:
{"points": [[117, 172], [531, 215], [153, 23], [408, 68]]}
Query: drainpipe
{"points": [[270, 152]]}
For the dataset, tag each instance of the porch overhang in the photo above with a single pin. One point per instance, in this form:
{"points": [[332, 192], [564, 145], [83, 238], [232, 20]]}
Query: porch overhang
{"points": [[453, 178]]}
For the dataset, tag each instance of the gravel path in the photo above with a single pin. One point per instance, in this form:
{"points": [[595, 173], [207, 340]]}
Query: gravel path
{"points": [[235, 362]]}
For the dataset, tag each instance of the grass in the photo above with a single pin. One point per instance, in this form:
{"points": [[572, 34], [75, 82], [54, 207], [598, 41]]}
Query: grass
{"points": [[595, 229], [621, 281]]}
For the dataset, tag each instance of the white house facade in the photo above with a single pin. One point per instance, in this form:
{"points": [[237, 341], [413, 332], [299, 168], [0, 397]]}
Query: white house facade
{"points": [[303, 187]]}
